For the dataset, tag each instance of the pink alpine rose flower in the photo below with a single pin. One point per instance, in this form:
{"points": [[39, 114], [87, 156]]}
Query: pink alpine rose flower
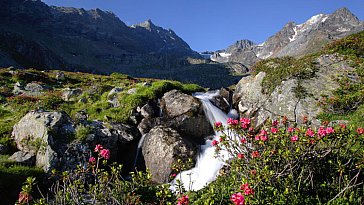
{"points": [[105, 153], [294, 138], [274, 123], [360, 131], [214, 142], [232, 122], [255, 154], [264, 138], [218, 124], [183, 200], [321, 132], [263, 132], [245, 122], [238, 199], [329, 130], [290, 129], [92, 160], [98, 148], [310, 132], [247, 190], [274, 130], [243, 140], [241, 156]]}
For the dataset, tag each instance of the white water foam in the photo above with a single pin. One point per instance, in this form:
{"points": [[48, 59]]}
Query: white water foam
{"points": [[207, 166]]}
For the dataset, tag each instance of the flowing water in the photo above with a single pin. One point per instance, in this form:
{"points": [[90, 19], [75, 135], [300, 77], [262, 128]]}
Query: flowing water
{"points": [[207, 166]]}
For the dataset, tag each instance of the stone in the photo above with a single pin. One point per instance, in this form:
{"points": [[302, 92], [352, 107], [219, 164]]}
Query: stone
{"points": [[24, 158], [70, 94], [44, 135], [60, 76], [112, 96], [185, 114], [177, 103], [18, 88], [132, 91], [149, 110], [162, 148], [148, 123]]}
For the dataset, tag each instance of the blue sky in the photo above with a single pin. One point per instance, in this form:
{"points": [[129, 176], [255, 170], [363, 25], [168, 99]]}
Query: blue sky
{"points": [[215, 24]]}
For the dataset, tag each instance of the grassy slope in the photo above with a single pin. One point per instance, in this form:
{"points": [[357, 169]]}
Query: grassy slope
{"points": [[96, 89]]}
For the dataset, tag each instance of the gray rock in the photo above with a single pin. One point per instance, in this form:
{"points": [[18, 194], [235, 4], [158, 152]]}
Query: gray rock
{"points": [[60, 76], [24, 158], [176, 103], [148, 123], [112, 96], [162, 148], [149, 110], [283, 101], [222, 100], [185, 114], [44, 135], [132, 91], [18, 88], [34, 89], [71, 94]]}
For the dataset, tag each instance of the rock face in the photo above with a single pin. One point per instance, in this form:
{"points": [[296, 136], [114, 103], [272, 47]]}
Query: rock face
{"points": [[44, 135], [295, 39], [162, 148], [282, 101], [104, 42]]}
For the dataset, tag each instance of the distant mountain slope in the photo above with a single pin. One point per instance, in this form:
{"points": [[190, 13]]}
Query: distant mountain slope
{"points": [[34, 34], [296, 39]]}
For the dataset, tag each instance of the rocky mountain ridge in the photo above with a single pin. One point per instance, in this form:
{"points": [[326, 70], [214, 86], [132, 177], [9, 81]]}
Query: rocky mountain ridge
{"points": [[295, 39]]}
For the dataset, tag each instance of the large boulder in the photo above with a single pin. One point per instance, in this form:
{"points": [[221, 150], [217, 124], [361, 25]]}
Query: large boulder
{"points": [[283, 101], [185, 114], [44, 135], [161, 149]]}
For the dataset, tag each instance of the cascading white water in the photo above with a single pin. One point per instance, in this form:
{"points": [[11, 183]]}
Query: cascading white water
{"points": [[207, 166]]}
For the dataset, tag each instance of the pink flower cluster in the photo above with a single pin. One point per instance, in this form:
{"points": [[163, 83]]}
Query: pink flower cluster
{"points": [[241, 156], [255, 154], [322, 132], [294, 138], [245, 122], [238, 199], [218, 124], [104, 153], [360, 131], [290, 129], [263, 135], [214, 142], [183, 200], [92, 160], [247, 190], [232, 122], [310, 132]]}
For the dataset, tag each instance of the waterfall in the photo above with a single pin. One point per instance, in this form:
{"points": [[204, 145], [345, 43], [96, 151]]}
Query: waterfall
{"points": [[207, 166], [139, 149]]}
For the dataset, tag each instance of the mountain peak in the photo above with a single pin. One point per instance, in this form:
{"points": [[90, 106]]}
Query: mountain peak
{"points": [[345, 14]]}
